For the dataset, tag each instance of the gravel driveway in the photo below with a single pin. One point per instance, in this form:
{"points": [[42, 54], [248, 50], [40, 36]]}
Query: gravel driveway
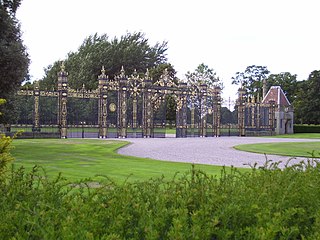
{"points": [[215, 151]]}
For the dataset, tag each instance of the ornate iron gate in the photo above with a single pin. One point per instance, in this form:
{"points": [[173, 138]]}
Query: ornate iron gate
{"points": [[136, 107], [255, 118]]}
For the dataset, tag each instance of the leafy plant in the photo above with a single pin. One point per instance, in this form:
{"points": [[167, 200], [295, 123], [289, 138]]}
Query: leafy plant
{"points": [[5, 155], [264, 203]]}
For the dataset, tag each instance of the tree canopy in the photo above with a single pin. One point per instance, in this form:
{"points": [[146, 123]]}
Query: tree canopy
{"points": [[132, 51], [307, 102], [252, 79], [287, 81], [203, 75], [14, 59]]}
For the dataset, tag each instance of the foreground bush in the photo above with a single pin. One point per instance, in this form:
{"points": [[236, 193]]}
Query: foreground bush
{"points": [[267, 203]]}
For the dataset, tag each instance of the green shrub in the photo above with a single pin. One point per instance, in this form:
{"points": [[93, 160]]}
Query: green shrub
{"points": [[5, 155], [306, 128], [265, 203]]}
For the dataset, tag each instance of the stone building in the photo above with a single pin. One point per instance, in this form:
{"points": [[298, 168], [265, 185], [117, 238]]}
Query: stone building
{"points": [[283, 110]]}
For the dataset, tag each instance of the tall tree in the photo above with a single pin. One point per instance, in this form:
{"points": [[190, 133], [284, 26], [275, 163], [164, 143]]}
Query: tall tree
{"points": [[252, 79], [203, 75], [132, 51], [14, 59], [299, 102], [307, 103], [286, 81]]}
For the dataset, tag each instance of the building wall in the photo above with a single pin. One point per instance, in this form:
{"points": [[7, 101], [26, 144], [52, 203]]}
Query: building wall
{"points": [[284, 122]]}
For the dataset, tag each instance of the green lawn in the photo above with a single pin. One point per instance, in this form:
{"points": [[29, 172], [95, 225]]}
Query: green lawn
{"points": [[83, 158], [299, 135], [88, 129], [171, 130], [296, 149]]}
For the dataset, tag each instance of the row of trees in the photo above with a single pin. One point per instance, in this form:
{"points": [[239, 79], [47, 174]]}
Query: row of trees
{"points": [[133, 51]]}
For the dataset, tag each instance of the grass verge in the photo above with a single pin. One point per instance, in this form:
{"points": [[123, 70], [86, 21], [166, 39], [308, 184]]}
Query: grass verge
{"points": [[293, 149], [299, 135], [83, 158]]}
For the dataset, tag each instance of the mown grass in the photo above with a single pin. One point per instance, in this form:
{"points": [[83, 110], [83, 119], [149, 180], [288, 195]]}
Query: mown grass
{"points": [[82, 158], [171, 130], [299, 135], [292, 149]]}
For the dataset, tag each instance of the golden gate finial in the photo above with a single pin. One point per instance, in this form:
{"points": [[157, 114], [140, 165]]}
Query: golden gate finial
{"points": [[62, 67]]}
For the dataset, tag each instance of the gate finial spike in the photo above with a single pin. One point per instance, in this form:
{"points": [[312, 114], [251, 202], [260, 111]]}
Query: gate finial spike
{"points": [[122, 72], [135, 72], [62, 67], [147, 74], [103, 73], [36, 85]]}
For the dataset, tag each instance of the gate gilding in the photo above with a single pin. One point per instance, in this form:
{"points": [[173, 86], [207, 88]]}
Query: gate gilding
{"points": [[127, 106]]}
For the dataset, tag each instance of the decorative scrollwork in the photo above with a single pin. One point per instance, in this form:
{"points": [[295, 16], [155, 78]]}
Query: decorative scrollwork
{"points": [[135, 84], [165, 80]]}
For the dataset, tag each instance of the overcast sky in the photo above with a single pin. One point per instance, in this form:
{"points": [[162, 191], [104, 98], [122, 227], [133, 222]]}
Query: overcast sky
{"points": [[226, 35]]}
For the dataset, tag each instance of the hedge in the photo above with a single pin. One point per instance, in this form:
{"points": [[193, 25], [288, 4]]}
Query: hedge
{"points": [[267, 203], [306, 128]]}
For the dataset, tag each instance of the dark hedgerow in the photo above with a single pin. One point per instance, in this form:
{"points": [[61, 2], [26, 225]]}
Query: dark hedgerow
{"points": [[264, 203], [303, 128]]}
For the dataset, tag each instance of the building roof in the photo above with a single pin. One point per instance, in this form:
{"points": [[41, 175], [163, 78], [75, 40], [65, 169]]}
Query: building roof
{"points": [[277, 95]]}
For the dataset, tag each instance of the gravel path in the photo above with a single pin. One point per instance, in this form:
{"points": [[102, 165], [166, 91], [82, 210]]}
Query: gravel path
{"points": [[215, 151]]}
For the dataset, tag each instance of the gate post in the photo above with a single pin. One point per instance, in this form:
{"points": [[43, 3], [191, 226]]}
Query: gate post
{"points": [[192, 113], [253, 112], [203, 110], [241, 109], [103, 102], [181, 111], [147, 106], [272, 124], [122, 103], [36, 93], [134, 91], [218, 109], [258, 116], [62, 101]]}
